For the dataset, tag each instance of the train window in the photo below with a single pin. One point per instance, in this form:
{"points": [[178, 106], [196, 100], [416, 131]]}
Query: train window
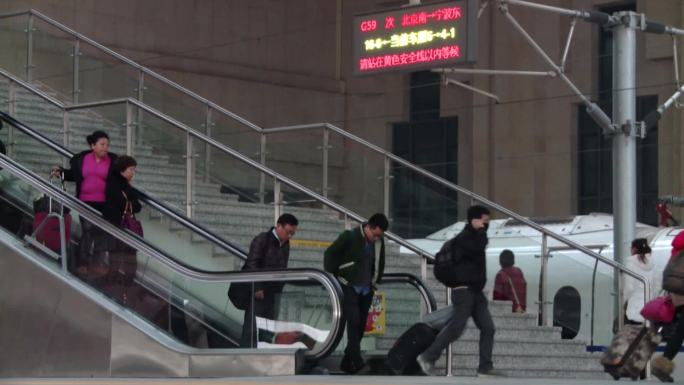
{"points": [[567, 311]]}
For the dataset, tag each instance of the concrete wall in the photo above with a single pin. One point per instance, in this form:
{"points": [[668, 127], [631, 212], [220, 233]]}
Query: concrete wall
{"points": [[279, 63]]}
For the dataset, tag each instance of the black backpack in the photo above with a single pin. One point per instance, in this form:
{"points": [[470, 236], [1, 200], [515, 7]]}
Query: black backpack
{"points": [[446, 267]]}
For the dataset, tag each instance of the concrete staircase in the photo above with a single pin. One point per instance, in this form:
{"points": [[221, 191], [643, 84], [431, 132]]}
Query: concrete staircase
{"points": [[522, 349]]}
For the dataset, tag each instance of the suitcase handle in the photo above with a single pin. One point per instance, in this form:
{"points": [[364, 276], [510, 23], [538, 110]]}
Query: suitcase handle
{"points": [[52, 178]]}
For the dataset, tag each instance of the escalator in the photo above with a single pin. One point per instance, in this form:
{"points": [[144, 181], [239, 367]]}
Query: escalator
{"points": [[174, 318], [175, 321]]}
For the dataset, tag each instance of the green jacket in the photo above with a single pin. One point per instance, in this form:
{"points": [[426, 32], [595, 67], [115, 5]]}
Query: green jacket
{"points": [[342, 257]]}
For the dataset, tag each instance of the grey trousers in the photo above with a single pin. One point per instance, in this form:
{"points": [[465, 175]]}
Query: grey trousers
{"points": [[466, 304]]}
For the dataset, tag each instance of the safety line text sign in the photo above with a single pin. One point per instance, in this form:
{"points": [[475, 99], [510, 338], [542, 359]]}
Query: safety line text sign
{"points": [[417, 37]]}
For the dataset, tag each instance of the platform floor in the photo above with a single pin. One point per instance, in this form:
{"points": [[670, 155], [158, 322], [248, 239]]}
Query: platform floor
{"points": [[320, 380]]}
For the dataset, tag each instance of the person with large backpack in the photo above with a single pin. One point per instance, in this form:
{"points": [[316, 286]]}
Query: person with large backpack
{"points": [[461, 264]]}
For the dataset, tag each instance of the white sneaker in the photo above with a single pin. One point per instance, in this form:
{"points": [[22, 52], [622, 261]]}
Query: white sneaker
{"points": [[426, 366]]}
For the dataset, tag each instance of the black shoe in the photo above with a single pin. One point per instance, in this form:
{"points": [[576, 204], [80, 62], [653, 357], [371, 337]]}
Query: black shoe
{"points": [[491, 372], [350, 366]]}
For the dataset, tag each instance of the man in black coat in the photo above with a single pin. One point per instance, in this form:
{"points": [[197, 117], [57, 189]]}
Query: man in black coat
{"points": [[467, 298], [268, 250]]}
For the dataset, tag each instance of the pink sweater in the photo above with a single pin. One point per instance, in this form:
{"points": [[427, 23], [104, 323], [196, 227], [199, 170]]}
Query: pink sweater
{"points": [[94, 178]]}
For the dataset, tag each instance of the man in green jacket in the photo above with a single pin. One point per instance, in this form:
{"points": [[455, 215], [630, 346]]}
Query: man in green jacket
{"points": [[357, 259]]}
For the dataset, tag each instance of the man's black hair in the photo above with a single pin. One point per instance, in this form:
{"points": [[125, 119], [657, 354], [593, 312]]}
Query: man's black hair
{"points": [[379, 220], [476, 212], [288, 219]]}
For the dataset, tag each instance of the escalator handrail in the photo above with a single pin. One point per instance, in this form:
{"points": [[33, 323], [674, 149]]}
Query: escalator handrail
{"points": [[324, 278], [423, 289], [425, 292], [222, 148], [145, 197]]}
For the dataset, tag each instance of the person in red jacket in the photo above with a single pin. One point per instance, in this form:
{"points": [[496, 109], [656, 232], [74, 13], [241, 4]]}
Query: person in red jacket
{"points": [[677, 244], [510, 284]]}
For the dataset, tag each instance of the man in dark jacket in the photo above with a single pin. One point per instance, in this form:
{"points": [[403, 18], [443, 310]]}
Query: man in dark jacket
{"points": [[357, 259], [467, 297], [268, 250]]}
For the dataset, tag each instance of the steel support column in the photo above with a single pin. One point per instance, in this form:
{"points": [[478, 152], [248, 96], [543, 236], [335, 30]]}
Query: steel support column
{"points": [[624, 142]]}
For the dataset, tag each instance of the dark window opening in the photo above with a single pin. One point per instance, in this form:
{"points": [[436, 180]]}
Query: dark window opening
{"points": [[418, 205], [567, 311]]}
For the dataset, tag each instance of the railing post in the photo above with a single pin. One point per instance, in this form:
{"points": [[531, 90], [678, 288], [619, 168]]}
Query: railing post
{"points": [[66, 131], [326, 140], [450, 352], [76, 86], [189, 176], [12, 111], [277, 200], [386, 187], [619, 281], [129, 129], [208, 123], [543, 281], [29, 49], [262, 160], [140, 96]]}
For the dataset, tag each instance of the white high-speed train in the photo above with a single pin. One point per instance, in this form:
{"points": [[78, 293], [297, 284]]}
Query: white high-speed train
{"points": [[580, 291]]}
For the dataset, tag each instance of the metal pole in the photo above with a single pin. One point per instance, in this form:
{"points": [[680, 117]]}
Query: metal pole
{"points": [[141, 95], [76, 87], [12, 111], [450, 352], [66, 130], [473, 71], [189, 176], [207, 148], [129, 129], [277, 200], [29, 49], [326, 143], [594, 111], [567, 43], [543, 281], [262, 160], [386, 187], [624, 143], [423, 268]]}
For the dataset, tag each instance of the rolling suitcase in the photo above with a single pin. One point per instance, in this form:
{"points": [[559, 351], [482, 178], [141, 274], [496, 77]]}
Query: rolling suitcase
{"points": [[401, 359], [48, 218], [630, 351]]}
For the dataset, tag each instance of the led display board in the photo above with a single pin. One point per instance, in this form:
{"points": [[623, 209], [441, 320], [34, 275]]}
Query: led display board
{"points": [[415, 37]]}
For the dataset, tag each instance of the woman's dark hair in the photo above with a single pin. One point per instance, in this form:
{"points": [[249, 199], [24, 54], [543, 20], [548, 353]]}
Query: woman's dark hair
{"points": [[123, 162], [95, 136], [506, 258], [642, 248]]}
